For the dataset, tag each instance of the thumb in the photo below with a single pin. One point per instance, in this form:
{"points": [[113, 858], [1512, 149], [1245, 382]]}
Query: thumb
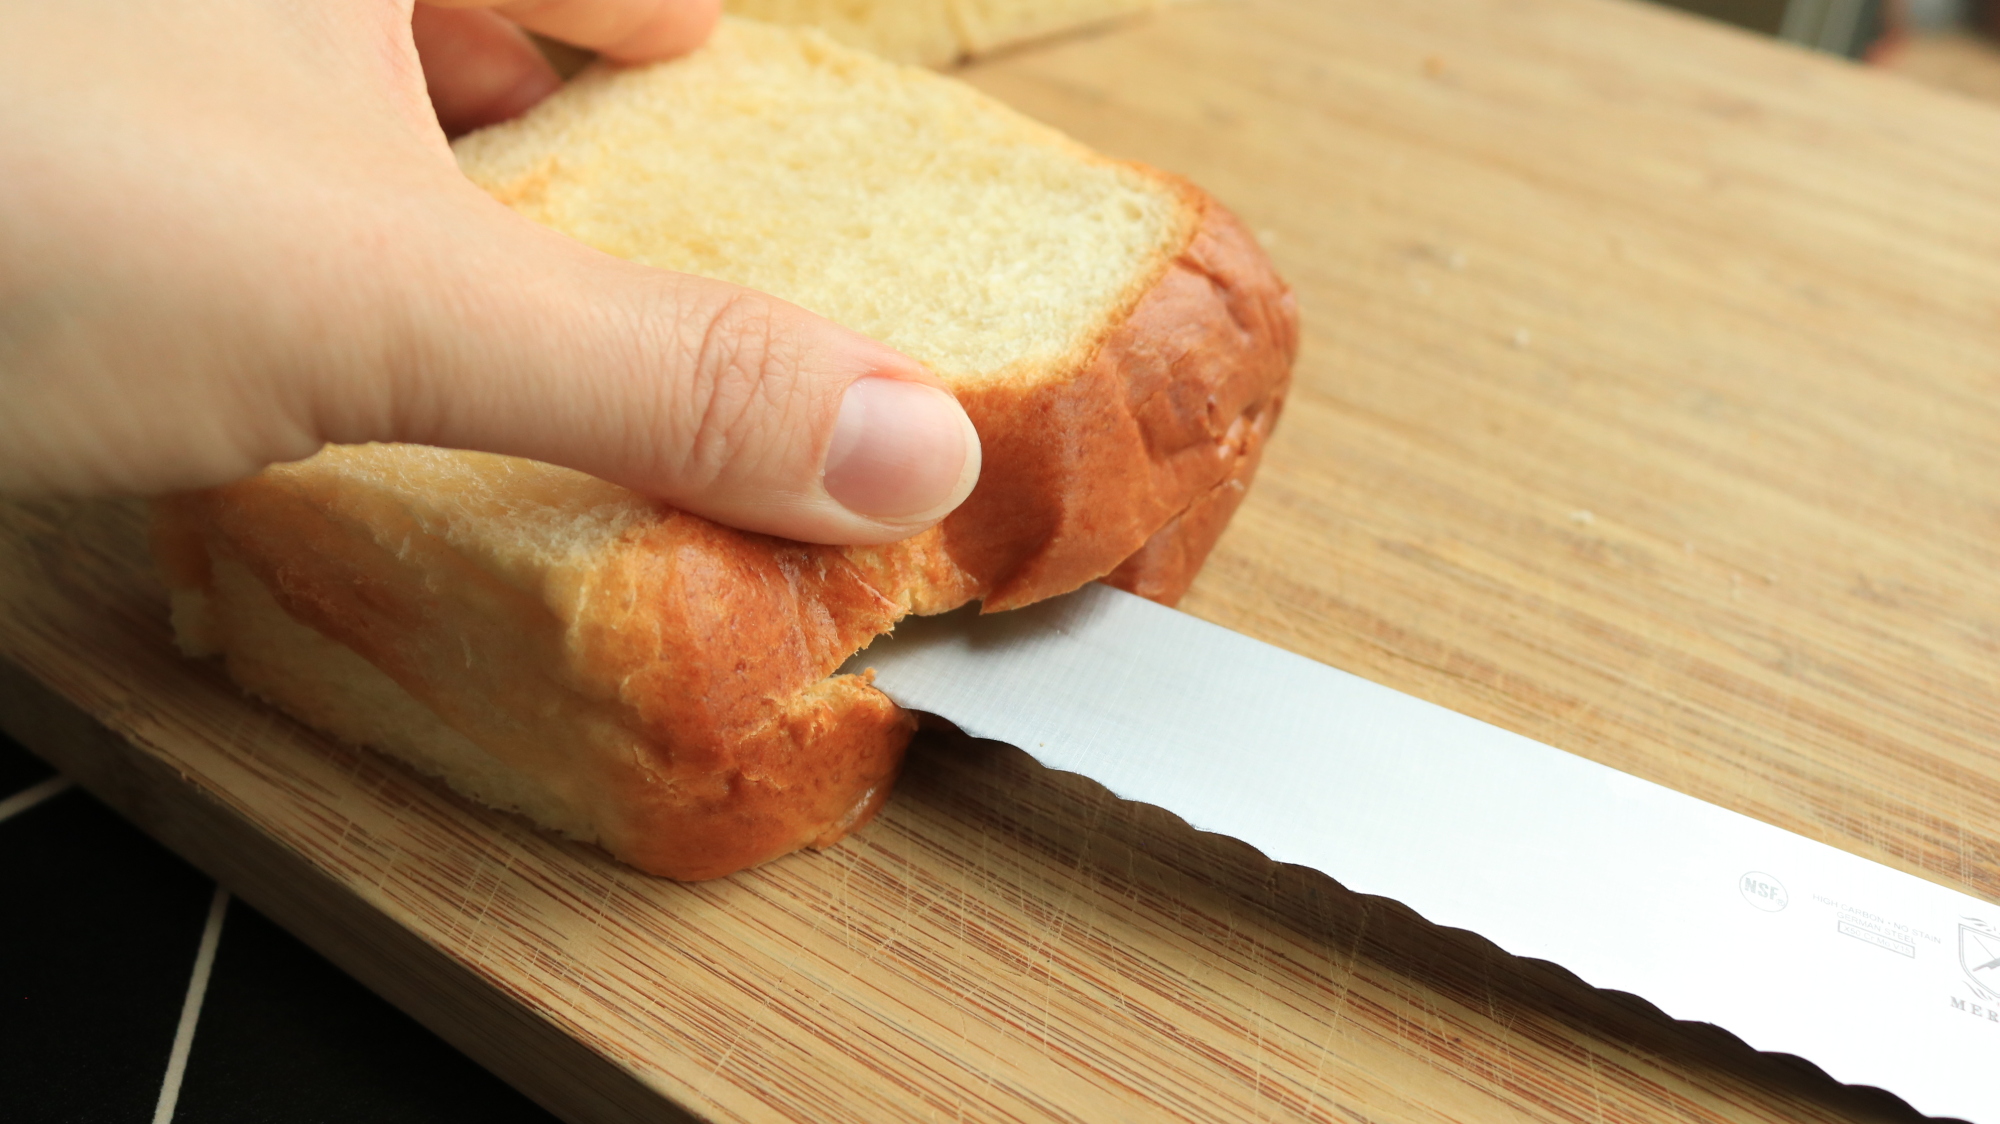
{"points": [[723, 401]]}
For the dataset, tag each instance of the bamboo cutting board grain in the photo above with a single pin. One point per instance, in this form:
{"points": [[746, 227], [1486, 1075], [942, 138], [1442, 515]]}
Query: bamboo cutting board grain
{"points": [[1649, 406]]}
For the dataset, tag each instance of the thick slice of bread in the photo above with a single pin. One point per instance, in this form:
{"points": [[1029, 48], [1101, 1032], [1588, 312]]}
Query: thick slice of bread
{"points": [[937, 32], [638, 677]]}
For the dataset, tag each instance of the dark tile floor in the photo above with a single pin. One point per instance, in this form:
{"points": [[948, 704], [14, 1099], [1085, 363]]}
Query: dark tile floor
{"points": [[98, 941]]}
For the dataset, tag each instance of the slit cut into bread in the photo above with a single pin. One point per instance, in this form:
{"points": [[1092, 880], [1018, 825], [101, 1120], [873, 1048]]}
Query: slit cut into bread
{"points": [[643, 679]]}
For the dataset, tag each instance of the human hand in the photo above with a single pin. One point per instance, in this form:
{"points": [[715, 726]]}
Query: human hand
{"points": [[232, 231]]}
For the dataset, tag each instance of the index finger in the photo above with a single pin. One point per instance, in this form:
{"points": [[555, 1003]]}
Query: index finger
{"points": [[620, 30]]}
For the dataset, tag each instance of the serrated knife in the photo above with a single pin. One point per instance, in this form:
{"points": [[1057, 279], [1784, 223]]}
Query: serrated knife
{"points": [[1877, 977]]}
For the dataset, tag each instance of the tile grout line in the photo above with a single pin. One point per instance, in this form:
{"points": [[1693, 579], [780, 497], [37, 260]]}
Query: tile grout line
{"points": [[204, 963], [34, 794]]}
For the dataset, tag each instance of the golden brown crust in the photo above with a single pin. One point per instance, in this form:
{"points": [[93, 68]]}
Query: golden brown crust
{"points": [[721, 642], [818, 770], [1081, 474], [675, 688], [1163, 569], [1254, 363], [689, 766]]}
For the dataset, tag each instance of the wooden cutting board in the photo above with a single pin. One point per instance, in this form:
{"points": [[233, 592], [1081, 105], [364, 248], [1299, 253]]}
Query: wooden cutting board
{"points": [[1649, 406]]}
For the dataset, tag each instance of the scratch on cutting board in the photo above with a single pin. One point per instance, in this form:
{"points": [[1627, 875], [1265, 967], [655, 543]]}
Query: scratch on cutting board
{"points": [[1342, 971], [481, 920], [1060, 911], [1260, 1024], [1050, 935], [1596, 1083], [735, 1041], [967, 962]]}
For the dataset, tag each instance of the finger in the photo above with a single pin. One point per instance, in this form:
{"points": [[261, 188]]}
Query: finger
{"points": [[724, 402], [480, 69], [620, 30]]}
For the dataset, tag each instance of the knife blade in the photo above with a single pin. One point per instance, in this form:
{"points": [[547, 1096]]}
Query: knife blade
{"points": [[1878, 977]]}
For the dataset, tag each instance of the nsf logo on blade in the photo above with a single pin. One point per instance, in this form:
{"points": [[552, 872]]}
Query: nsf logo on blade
{"points": [[1979, 955], [1765, 892]]}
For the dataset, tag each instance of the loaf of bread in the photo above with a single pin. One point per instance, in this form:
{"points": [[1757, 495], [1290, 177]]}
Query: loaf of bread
{"points": [[937, 32], [634, 676]]}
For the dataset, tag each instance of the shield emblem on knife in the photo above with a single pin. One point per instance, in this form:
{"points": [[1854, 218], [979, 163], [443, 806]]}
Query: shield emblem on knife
{"points": [[1979, 955]]}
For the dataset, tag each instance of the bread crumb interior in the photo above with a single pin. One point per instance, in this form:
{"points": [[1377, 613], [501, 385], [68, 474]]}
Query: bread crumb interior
{"points": [[890, 200]]}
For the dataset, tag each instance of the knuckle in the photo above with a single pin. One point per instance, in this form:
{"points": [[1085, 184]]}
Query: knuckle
{"points": [[742, 390]]}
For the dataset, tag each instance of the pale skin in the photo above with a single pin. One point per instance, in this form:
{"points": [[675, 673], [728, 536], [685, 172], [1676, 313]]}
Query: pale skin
{"points": [[232, 231]]}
